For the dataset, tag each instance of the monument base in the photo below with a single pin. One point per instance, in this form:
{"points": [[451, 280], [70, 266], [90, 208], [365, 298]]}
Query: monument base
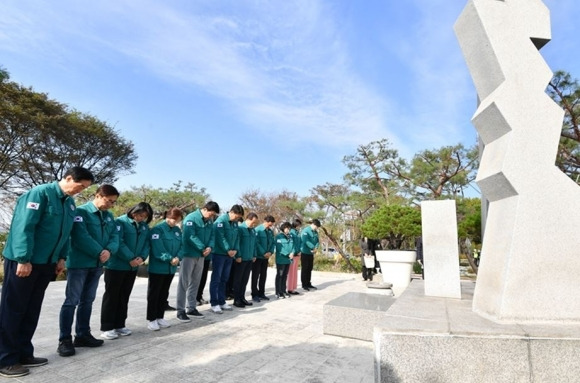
{"points": [[429, 339]]}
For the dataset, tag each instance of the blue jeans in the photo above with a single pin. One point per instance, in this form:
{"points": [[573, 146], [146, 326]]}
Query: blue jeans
{"points": [[81, 289], [221, 267]]}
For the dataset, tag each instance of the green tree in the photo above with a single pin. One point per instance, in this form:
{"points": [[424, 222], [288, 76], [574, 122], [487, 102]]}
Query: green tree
{"points": [[396, 226], [565, 91], [41, 138]]}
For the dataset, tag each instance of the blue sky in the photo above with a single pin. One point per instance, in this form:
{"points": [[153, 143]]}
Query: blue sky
{"points": [[237, 95]]}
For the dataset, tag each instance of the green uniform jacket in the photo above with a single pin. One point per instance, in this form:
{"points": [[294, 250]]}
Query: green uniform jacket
{"points": [[297, 242], [133, 243], [41, 226], [309, 240], [198, 234], [284, 247], [93, 231], [264, 241], [226, 235], [247, 238], [165, 245]]}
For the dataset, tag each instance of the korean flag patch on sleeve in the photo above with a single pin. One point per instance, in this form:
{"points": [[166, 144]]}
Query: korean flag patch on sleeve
{"points": [[220, 224], [155, 236], [78, 218], [33, 205], [189, 223]]}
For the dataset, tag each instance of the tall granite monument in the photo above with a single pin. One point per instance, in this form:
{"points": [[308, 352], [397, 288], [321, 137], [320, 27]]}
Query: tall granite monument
{"points": [[530, 260]]}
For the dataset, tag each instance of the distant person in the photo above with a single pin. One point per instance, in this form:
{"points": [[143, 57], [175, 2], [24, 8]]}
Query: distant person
{"points": [[226, 248], [367, 251], [165, 256], [35, 252], [198, 241], [293, 270], [265, 246], [284, 254], [309, 244], [121, 269], [245, 257], [94, 238]]}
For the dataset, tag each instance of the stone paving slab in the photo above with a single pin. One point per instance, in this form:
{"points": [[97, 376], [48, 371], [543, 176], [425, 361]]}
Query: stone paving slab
{"points": [[275, 341]]}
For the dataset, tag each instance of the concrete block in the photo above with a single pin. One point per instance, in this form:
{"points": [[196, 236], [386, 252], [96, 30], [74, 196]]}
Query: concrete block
{"points": [[440, 249]]}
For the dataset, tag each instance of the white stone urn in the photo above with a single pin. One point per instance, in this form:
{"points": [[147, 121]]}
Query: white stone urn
{"points": [[396, 267]]}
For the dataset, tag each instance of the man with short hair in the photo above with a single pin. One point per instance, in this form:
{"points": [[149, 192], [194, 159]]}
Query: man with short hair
{"points": [[309, 244], [226, 248], [198, 241], [94, 238], [35, 252], [244, 259], [265, 246]]}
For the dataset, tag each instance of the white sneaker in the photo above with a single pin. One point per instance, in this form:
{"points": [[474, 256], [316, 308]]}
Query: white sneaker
{"points": [[153, 325], [123, 331], [163, 323], [111, 334], [226, 307], [217, 309]]}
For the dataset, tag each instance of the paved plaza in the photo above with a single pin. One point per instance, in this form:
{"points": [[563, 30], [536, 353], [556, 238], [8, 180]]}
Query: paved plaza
{"points": [[275, 341]]}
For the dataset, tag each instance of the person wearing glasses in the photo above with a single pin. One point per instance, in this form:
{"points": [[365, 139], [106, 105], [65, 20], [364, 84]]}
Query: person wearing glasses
{"points": [[121, 269], [35, 252], [94, 238]]}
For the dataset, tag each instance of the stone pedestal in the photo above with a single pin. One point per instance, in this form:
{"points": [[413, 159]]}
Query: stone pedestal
{"points": [[440, 249], [428, 339]]}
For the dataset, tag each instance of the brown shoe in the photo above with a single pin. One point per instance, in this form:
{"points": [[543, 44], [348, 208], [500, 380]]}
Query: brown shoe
{"points": [[14, 371]]}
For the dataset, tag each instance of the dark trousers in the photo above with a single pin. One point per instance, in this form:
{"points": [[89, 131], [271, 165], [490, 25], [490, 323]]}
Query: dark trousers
{"points": [[157, 294], [203, 279], [306, 264], [20, 309], [241, 273], [259, 274], [118, 288], [230, 282], [281, 277]]}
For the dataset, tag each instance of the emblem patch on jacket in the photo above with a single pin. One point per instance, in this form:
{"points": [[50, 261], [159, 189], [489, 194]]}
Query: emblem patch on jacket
{"points": [[78, 218], [32, 205], [155, 236]]}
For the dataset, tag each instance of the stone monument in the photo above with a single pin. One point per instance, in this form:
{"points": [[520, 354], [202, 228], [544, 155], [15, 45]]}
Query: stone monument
{"points": [[530, 260]]}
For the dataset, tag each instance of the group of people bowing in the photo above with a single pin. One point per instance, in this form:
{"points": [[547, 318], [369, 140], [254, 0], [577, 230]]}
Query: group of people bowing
{"points": [[236, 244]]}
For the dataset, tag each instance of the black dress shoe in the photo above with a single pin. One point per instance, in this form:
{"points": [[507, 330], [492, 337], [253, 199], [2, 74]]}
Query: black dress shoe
{"points": [[87, 341], [293, 292], [280, 296], [65, 347], [306, 288], [169, 308], [239, 304], [312, 287], [247, 303], [264, 297], [32, 361]]}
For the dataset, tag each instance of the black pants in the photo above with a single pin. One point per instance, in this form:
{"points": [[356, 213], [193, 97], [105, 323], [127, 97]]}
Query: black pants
{"points": [[241, 273], [259, 274], [157, 293], [281, 278], [118, 288], [306, 265], [20, 309], [230, 282], [203, 279]]}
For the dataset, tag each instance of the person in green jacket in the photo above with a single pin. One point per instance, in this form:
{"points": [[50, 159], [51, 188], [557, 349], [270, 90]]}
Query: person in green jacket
{"points": [[244, 259], [226, 247], [284, 254], [309, 244], [35, 252], [264, 250], [121, 269], [197, 245], [165, 256], [94, 238], [293, 271]]}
